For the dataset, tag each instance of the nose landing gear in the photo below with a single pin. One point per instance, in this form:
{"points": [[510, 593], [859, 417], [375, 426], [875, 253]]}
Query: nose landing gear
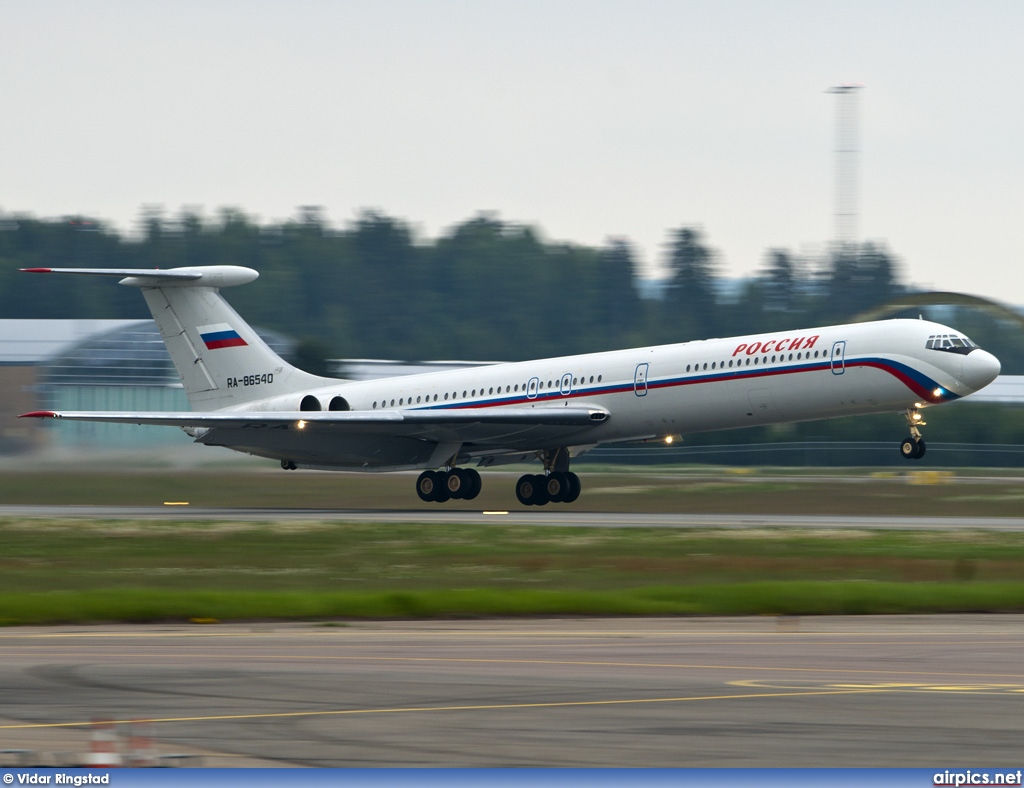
{"points": [[913, 448]]}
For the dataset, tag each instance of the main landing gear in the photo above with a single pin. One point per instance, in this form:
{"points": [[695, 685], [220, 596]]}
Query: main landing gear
{"points": [[913, 448], [555, 487], [439, 486]]}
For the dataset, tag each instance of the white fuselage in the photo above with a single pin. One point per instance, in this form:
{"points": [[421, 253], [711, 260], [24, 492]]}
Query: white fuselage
{"points": [[698, 386]]}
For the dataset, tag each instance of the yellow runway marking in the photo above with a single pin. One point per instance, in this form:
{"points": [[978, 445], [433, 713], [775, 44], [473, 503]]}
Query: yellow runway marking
{"points": [[414, 709], [949, 689]]}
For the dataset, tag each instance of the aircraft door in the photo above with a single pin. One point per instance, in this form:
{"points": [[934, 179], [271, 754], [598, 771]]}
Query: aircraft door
{"points": [[640, 380], [531, 388], [839, 357]]}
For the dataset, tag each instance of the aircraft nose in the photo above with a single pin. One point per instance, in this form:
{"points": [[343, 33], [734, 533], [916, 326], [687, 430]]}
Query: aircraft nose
{"points": [[980, 369]]}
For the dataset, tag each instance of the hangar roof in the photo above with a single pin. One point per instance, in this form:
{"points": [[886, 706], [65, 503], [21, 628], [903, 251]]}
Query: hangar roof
{"points": [[25, 342]]}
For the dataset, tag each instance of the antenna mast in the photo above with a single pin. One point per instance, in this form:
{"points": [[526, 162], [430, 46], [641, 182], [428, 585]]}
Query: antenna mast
{"points": [[847, 172]]}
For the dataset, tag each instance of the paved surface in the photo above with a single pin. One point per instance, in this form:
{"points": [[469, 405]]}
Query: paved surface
{"points": [[922, 691], [534, 516]]}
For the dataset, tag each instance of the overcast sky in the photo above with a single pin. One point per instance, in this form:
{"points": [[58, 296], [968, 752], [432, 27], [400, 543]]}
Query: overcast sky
{"points": [[589, 119]]}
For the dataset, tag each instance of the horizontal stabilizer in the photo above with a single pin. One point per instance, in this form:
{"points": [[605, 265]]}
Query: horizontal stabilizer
{"points": [[200, 275]]}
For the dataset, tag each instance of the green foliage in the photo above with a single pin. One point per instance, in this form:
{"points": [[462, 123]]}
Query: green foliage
{"points": [[486, 289], [81, 571], [741, 599]]}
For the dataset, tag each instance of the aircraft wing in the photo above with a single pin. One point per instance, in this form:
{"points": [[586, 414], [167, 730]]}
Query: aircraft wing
{"points": [[501, 429]]}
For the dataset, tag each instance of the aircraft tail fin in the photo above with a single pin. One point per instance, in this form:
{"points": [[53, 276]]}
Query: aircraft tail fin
{"points": [[221, 360]]}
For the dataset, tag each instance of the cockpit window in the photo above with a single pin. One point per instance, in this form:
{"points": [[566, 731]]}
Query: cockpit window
{"points": [[951, 343]]}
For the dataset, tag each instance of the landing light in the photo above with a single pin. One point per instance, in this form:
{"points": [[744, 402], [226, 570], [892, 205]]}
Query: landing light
{"points": [[668, 440], [301, 424], [916, 416], [938, 392]]}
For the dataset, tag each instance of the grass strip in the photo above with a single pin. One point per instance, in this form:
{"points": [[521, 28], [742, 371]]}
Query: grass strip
{"points": [[763, 598]]}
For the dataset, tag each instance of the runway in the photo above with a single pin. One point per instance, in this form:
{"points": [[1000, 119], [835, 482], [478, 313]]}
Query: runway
{"points": [[900, 691], [546, 516]]}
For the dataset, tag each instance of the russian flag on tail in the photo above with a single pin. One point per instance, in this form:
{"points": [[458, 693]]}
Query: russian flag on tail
{"points": [[220, 335]]}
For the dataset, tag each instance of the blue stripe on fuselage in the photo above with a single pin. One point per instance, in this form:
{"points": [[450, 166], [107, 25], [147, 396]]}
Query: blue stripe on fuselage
{"points": [[919, 383]]}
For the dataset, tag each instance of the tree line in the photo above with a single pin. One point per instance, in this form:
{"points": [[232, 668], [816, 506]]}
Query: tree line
{"points": [[485, 289]]}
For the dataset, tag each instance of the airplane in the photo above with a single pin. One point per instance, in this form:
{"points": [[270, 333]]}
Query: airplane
{"points": [[245, 397]]}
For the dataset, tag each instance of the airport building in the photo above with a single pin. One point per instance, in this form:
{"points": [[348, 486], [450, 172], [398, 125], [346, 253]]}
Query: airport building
{"points": [[115, 365]]}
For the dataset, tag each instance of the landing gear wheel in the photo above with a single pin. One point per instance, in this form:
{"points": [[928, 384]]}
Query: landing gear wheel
{"points": [[430, 487], [457, 483], [575, 486], [475, 483], [530, 490], [426, 485], [441, 493], [557, 486], [911, 449]]}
